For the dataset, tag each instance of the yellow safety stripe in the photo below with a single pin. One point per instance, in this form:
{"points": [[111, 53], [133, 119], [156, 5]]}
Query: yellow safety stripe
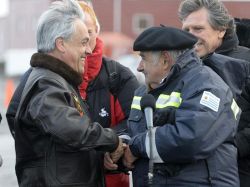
{"points": [[163, 101], [136, 103], [174, 100]]}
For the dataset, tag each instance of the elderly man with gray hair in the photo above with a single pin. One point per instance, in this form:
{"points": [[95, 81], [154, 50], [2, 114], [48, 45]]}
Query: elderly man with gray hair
{"points": [[56, 142], [195, 117]]}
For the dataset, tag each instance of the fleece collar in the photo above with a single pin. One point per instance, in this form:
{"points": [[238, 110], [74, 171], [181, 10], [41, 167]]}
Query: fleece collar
{"points": [[57, 66], [228, 44]]}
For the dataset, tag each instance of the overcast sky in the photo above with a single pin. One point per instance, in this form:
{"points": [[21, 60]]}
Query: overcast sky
{"points": [[4, 7]]}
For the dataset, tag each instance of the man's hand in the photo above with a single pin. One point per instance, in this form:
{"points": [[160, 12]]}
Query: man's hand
{"points": [[129, 158], [116, 155], [108, 162]]}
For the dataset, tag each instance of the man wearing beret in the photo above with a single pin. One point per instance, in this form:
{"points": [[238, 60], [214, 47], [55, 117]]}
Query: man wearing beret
{"points": [[195, 119]]}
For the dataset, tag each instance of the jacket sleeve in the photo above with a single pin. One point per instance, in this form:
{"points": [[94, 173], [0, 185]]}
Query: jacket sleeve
{"points": [[52, 109], [197, 132], [122, 104], [15, 100]]}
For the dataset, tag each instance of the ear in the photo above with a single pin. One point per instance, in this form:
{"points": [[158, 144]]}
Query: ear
{"points": [[60, 45], [167, 60], [221, 34]]}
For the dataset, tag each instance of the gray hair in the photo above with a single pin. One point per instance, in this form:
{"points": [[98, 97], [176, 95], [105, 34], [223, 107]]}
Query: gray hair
{"points": [[57, 21], [174, 54], [156, 56], [218, 16]]}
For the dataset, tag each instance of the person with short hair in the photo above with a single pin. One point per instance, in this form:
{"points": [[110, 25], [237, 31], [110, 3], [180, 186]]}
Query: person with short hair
{"points": [[56, 142], [195, 117], [102, 78], [211, 23]]}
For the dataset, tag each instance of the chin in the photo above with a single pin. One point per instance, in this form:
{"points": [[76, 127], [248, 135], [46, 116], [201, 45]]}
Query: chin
{"points": [[200, 53]]}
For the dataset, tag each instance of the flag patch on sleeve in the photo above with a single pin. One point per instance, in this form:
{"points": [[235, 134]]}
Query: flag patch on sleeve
{"points": [[210, 100]]}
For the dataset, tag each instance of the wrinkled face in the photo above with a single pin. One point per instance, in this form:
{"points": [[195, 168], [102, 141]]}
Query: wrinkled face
{"points": [[77, 47], [92, 30], [153, 71], [209, 39]]}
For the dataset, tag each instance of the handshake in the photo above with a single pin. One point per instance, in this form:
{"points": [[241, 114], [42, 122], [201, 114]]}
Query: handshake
{"points": [[116, 155], [111, 159]]}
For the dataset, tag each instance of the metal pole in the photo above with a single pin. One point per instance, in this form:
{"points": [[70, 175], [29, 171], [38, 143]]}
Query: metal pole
{"points": [[117, 9], [151, 164]]}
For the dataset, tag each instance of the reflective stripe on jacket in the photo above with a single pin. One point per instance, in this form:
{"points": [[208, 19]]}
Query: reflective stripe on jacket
{"points": [[195, 144]]}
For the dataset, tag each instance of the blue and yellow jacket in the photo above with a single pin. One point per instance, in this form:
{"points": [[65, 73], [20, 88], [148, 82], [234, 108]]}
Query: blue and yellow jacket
{"points": [[195, 122]]}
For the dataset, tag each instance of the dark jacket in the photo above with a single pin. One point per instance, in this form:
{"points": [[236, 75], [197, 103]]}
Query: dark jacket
{"points": [[194, 147], [15, 100], [116, 83], [235, 72], [242, 31], [230, 48], [56, 143]]}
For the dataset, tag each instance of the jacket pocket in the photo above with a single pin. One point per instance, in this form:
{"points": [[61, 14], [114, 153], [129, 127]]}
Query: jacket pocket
{"points": [[136, 123], [135, 115], [76, 167]]}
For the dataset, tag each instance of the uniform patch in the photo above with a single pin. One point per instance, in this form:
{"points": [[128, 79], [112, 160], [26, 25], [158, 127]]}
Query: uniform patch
{"points": [[77, 104], [210, 100]]}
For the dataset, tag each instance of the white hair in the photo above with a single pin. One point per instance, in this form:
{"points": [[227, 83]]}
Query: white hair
{"points": [[57, 21], [174, 54]]}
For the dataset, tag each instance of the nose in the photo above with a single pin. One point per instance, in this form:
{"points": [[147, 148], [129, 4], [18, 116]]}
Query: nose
{"points": [[140, 67], [88, 50]]}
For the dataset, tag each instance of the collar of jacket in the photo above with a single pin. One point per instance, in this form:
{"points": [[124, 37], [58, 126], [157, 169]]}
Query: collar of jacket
{"points": [[185, 61], [57, 66], [228, 44]]}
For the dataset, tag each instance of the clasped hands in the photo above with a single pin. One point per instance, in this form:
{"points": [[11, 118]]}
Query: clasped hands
{"points": [[110, 159]]}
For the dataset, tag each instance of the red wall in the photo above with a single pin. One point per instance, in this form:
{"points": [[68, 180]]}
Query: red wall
{"points": [[164, 11]]}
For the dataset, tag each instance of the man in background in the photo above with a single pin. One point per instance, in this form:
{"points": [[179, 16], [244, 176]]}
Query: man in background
{"points": [[214, 27], [108, 88]]}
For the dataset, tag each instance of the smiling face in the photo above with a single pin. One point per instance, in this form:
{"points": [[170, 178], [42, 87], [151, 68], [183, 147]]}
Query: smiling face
{"points": [[209, 39], [77, 47]]}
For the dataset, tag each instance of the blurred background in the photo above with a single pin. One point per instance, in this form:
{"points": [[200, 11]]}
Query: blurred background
{"points": [[121, 22]]}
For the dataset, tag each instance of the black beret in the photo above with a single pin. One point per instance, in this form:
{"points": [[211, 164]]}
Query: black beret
{"points": [[164, 38]]}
